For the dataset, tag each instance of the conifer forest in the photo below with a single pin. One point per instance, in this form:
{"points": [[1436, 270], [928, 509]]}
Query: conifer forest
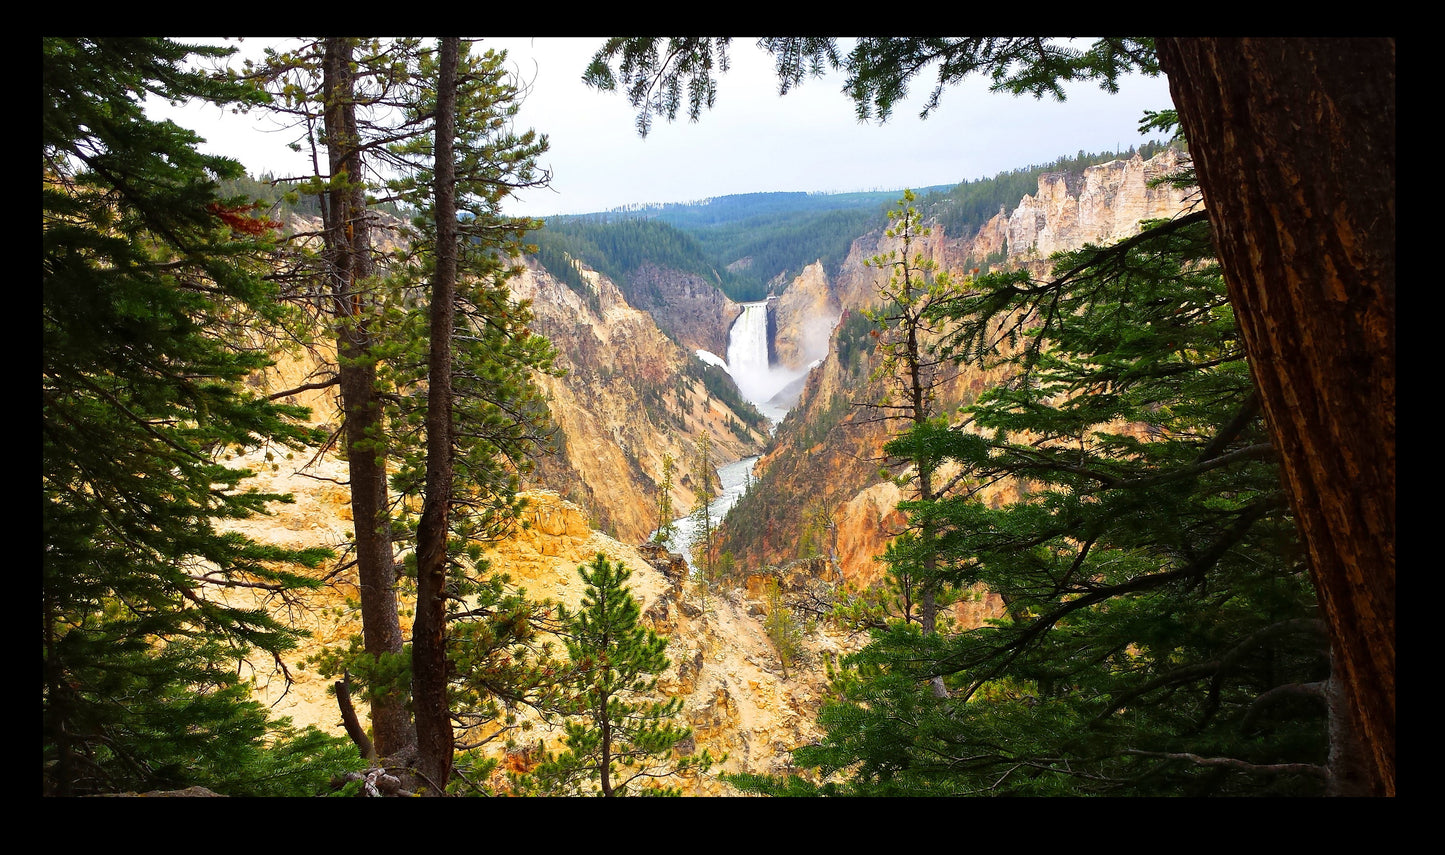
{"points": [[1115, 518]]}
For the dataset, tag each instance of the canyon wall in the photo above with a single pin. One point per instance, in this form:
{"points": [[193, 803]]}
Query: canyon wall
{"points": [[691, 310], [803, 319], [819, 487], [629, 396]]}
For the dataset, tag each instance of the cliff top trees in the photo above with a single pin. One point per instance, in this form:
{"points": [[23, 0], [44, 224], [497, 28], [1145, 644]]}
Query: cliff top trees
{"points": [[616, 738], [151, 289]]}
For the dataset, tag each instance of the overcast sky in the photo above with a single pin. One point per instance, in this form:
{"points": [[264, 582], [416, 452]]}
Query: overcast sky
{"points": [[753, 140]]}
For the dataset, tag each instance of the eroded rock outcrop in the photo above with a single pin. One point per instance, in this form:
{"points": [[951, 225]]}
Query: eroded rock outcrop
{"points": [[692, 310], [1103, 205], [804, 317]]}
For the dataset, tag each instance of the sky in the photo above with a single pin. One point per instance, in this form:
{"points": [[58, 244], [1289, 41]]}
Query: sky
{"points": [[753, 140]]}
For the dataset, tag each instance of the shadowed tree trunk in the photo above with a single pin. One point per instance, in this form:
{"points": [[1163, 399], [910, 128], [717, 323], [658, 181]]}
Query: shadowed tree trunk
{"points": [[429, 654], [1294, 143], [348, 244]]}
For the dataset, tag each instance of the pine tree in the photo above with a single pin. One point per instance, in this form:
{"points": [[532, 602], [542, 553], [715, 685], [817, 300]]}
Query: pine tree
{"points": [[666, 525], [617, 737], [152, 304], [463, 447], [1160, 633], [703, 572], [911, 373], [782, 626]]}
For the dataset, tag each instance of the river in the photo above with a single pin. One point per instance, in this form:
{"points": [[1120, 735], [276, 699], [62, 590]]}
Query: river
{"points": [[735, 480]]}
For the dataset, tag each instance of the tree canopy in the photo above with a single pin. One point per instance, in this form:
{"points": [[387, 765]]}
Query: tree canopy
{"points": [[618, 741], [163, 298], [435, 364], [154, 312], [1311, 272], [1160, 633]]}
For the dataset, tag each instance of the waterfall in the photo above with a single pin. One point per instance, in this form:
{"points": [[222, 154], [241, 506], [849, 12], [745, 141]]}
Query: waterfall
{"points": [[763, 385], [748, 353], [758, 379]]}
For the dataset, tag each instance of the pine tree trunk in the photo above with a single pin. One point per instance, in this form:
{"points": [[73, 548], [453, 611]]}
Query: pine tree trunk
{"points": [[429, 654], [348, 244], [1294, 143]]}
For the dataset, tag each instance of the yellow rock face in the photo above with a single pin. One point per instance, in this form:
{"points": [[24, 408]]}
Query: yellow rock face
{"points": [[723, 666]]}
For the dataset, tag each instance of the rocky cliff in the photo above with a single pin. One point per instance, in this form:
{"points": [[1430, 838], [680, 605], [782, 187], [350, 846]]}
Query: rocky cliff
{"points": [[630, 395], [691, 310], [722, 663], [818, 487], [1103, 205], [804, 317]]}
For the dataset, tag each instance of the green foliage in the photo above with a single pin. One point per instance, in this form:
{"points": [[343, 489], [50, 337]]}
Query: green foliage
{"points": [[558, 254], [640, 64], [1159, 634], [166, 717], [776, 244], [910, 373], [618, 246], [618, 741], [778, 234], [271, 195], [666, 523], [500, 420], [853, 339], [499, 415], [879, 69], [704, 571], [152, 302], [782, 626]]}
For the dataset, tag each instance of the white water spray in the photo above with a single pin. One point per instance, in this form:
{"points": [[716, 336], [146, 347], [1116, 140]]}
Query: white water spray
{"points": [[759, 381]]}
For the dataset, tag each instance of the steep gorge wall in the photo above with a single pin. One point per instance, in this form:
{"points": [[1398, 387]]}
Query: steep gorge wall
{"points": [[691, 310], [818, 487], [628, 397], [804, 317]]}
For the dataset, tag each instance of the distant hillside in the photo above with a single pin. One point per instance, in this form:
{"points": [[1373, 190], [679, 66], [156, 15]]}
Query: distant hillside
{"points": [[753, 244], [618, 245]]}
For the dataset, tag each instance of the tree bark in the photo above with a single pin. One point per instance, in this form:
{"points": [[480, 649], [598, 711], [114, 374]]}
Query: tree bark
{"points": [[429, 654], [348, 244], [350, 721], [1294, 144]]}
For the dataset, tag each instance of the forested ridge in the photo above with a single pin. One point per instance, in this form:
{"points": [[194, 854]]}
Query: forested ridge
{"points": [[753, 244], [1172, 620]]}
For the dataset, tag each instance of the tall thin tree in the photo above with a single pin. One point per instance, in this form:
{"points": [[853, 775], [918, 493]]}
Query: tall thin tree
{"points": [[429, 657]]}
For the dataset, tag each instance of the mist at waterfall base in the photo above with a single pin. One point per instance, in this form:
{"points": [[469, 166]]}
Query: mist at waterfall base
{"points": [[771, 388]]}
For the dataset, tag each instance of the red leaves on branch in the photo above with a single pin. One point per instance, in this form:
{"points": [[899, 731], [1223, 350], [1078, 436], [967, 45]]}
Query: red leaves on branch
{"points": [[238, 219]]}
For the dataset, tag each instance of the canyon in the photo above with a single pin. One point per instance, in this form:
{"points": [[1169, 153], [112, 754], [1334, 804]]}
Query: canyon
{"points": [[634, 391]]}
